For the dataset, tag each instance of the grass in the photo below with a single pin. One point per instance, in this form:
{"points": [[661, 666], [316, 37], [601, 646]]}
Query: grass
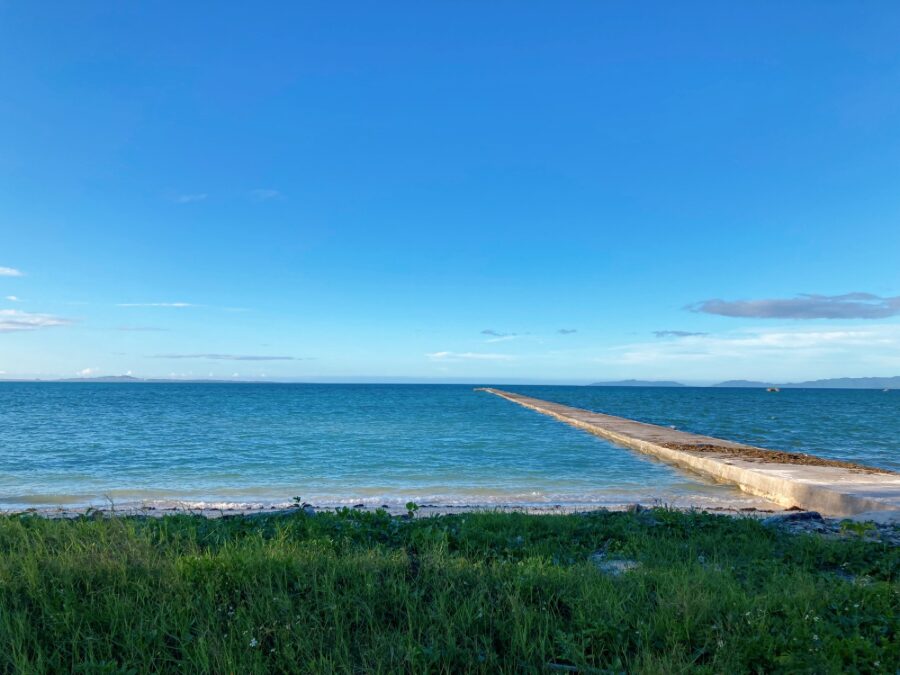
{"points": [[364, 592]]}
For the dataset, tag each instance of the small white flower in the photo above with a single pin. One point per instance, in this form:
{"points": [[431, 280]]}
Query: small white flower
{"points": [[254, 642]]}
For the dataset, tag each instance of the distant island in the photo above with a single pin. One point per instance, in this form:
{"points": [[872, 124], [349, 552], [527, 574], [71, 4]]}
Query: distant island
{"points": [[105, 378], [749, 384], [830, 383], [126, 379], [638, 383]]}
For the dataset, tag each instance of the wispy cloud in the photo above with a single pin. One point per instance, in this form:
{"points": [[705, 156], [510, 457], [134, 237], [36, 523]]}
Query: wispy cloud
{"points": [[676, 333], [156, 304], [10, 272], [16, 320], [806, 306], [567, 331], [229, 357], [262, 195], [189, 198], [468, 356], [785, 346], [497, 336], [87, 372], [141, 329], [13, 298]]}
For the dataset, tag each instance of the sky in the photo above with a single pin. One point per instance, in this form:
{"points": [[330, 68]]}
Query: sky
{"points": [[450, 191]]}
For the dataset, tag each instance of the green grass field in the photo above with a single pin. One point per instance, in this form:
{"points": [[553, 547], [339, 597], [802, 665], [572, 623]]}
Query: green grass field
{"points": [[492, 592]]}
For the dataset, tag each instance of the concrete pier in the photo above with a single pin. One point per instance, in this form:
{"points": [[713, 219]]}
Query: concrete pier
{"points": [[831, 487]]}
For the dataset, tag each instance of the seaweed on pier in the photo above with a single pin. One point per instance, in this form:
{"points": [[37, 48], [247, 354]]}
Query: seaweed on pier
{"points": [[772, 456]]}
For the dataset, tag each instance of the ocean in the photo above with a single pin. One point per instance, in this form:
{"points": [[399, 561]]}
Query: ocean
{"points": [[255, 445]]}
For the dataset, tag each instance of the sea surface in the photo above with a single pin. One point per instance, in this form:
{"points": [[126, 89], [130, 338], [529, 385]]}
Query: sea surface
{"points": [[247, 445]]}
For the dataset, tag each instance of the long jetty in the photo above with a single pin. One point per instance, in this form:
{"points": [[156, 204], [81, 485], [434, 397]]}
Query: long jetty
{"points": [[812, 483]]}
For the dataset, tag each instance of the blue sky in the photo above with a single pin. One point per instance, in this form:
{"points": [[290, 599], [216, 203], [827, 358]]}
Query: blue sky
{"points": [[450, 191]]}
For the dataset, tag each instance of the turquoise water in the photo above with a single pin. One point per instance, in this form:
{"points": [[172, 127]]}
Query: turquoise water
{"points": [[259, 444]]}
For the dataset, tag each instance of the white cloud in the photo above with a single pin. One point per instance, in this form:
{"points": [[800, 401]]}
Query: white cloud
{"points": [[156, 304], [676, 333], [262, 195], [501, 338], [468, 356], [10, 272], [13, 298], [229, 357], [764, 353], [87, 372], [142, 329], [187, 199], [498, 336], [12, 320]]}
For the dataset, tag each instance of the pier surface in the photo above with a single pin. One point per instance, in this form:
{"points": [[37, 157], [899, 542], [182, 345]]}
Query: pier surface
{"points": [[831, 487]]}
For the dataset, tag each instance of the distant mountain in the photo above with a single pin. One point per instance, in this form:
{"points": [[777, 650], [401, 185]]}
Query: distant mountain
{"points": [[105, 378], [830, 383], [849, 383], [743, 383], [637, 383], [129, 378]]}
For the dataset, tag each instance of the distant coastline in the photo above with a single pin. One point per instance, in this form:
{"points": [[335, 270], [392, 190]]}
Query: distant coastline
{"points": [[638, 383], [888, 383], [128, 379], [830, 383]]}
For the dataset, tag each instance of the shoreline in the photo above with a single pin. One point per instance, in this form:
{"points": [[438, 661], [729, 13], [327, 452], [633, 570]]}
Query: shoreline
{"points": [[793, 521], [218, 507], [422, 510]]}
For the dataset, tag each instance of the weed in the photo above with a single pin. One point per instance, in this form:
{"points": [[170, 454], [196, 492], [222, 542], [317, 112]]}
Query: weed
{"points": [[361, 591]]}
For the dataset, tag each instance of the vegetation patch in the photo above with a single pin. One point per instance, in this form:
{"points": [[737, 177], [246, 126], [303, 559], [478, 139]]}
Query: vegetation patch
{"points": [[361, 591]]}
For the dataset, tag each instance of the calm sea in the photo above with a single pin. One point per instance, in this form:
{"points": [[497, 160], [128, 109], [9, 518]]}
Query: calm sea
{"points": [[249, 444]]}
